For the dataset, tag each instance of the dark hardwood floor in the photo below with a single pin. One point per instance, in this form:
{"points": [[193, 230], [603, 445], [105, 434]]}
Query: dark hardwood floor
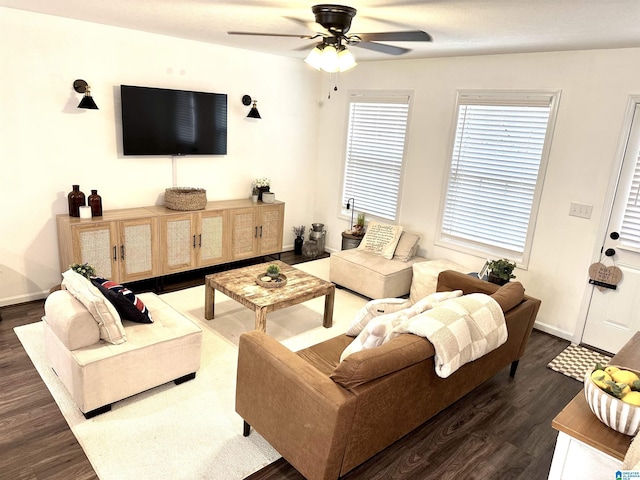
{"points": [[35, 440], [501, 430]]}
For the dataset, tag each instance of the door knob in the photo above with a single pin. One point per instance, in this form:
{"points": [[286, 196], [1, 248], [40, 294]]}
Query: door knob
{"points": [[610, 252], [614, 235]]}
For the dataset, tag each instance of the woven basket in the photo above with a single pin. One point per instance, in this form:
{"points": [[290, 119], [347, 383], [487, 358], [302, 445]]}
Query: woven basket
{"points": [[185, 198]]}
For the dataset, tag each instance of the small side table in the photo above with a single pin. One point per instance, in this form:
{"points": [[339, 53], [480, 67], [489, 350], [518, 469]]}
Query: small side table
{"points": [[350, 241], [586, 448]]}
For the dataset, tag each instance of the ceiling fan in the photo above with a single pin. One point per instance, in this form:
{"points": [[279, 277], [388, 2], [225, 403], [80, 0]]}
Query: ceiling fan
{"points": [[335, 21]]}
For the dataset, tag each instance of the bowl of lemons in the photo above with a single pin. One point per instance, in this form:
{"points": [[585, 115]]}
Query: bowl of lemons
{"points": [[613, 394]]}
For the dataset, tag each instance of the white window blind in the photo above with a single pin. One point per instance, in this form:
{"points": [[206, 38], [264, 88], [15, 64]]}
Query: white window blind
{"points": [[630, 230], [494, 179], [374, 153]]}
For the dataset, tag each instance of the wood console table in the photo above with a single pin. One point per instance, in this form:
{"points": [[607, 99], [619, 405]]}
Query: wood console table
{"points": [[586, 448], [133, 244]]}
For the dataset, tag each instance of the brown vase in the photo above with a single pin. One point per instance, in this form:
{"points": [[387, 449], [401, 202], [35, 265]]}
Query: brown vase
{"points": [[95, 202], [76, 199]]}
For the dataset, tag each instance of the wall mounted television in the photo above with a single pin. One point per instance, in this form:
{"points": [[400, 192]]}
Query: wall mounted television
{"points": [[160, 121]]}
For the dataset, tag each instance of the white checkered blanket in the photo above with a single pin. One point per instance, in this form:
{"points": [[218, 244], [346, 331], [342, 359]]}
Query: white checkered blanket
{"points": [[461, 330]]}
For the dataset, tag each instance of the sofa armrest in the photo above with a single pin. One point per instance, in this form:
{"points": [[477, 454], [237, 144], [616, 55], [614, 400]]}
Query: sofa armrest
{"points": [[69, 319], [302, 413], [451, 280]]}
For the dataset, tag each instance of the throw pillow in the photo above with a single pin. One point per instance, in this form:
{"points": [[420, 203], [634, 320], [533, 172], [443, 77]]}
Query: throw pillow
{"points": [[430, 301], [127, 304], [379, 330], [407, 246], [375, 308], [104, 313], [381, 239]]}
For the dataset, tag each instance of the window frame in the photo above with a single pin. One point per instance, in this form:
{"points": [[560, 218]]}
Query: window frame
{"points": [[493, 98], [374, 96]]}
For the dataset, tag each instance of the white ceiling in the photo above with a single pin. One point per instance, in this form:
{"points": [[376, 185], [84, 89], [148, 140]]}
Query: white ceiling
{"points": [[458, 27]]}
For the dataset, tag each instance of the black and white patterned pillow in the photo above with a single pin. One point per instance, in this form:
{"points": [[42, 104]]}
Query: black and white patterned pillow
{"points": [[128, 305]]}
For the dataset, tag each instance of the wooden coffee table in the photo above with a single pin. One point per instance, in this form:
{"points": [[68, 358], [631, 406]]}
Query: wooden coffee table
{"points": [[240, 285]]}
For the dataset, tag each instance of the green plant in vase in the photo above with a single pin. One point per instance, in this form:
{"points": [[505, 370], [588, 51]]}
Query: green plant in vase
{"points": [[501, 271], [83, 269], [273, 271], [358, 228]]}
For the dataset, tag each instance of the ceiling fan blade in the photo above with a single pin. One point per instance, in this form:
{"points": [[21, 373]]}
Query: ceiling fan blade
{"points": [[405, 36], [316, 27], [308, 37], [381, 47]]}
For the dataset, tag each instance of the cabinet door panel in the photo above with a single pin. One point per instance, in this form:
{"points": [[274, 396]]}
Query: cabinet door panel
{"points": [[137, 249], [177, 233], [94, 244], [211, 238], [244, 241], [271, 229]]}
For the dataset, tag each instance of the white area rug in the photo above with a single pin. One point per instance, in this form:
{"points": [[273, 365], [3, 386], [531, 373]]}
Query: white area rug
{"points": [[191, 431]]}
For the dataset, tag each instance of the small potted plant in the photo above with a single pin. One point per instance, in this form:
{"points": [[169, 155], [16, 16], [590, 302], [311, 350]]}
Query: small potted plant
{"points": [[501, 271], [299, 240], [273, 271], [358, 228], [83, 269], [263, 185], [254, 193]]}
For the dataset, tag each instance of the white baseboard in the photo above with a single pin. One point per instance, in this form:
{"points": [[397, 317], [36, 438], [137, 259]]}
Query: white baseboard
{"points": [[29, 297], [556, 332]]}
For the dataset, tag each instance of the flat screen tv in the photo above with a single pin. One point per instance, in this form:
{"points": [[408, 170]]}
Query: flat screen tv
{"points": [[160, 121]]}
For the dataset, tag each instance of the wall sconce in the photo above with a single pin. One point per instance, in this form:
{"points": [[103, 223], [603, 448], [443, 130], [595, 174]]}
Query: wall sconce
{"points": [[253, 113], [81, 86]]}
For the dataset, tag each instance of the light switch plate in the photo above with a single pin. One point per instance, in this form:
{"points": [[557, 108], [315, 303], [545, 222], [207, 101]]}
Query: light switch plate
{"points": [[581, 210]]}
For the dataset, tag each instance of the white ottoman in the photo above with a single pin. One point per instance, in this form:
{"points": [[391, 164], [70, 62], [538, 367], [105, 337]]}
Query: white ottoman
{"points": [[371, 275], [425, 276]]}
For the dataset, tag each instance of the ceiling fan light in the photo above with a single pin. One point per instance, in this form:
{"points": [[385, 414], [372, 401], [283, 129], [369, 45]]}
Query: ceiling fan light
{"points": [[314, 58], [329, 60], [345, 60]]}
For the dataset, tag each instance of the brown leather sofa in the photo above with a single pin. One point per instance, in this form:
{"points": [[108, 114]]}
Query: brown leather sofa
{"points": [[326, 418]]}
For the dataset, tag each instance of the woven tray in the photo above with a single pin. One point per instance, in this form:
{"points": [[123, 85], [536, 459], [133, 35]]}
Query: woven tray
{"points": [[272, 283], [185, 198]]}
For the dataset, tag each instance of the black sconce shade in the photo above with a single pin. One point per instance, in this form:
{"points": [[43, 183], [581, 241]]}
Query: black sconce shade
{"points": [[253, 113], [81, 86]]}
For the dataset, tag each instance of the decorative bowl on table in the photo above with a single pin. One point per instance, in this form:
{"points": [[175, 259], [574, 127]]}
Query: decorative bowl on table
{"points": [[267, 281], [615, 413]]}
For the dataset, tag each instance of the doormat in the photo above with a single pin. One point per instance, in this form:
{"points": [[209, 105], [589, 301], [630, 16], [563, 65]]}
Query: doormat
{"points": [[575, 361]]}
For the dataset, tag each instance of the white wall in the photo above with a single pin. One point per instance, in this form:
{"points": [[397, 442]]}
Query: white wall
{"points": [[595, 88], [48, 144]]}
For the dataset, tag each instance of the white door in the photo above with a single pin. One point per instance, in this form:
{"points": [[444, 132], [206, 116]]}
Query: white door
{"points": [[614, 315]]}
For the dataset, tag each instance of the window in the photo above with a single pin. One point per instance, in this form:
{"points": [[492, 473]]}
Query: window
{"points": [[497, 168], [375, 152], [630, 228]]}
